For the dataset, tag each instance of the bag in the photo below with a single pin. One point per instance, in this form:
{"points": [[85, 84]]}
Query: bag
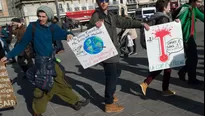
{"points": [[150, 22], [123, 45], [42, 74]]}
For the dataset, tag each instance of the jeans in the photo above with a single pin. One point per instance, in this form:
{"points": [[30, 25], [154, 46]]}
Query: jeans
{"points": [[191, 59], [111, 74]]}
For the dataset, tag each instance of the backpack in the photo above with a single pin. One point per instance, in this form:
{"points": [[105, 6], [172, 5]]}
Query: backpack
{"points": [[150, 22], [123, 42], [31, 45]]}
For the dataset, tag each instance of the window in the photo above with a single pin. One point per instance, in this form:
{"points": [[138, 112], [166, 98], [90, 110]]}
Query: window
{"points": [[91, 7], [84, 8], [77, 8], [60, 6], [68, 7]]}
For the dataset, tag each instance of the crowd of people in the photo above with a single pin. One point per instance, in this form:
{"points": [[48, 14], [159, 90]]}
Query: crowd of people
{"points": [[41, 40]]}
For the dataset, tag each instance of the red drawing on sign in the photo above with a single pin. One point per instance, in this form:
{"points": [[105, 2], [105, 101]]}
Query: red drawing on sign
{"points": [[161, 33]]}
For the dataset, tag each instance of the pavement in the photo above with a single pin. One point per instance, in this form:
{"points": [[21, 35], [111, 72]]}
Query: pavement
{"points": [[189, 100]]}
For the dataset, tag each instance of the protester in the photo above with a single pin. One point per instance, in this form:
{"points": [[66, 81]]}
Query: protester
{"points": [[27, 54], [111, 22], [188, 13], [46, 64], [160, 17], [133, 35]]}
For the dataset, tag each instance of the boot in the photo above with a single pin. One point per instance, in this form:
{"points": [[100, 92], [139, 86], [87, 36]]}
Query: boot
{"points": [[115, 99], [109, 108], [37, 114], [80, 104], [182, 76], [144, 88]]}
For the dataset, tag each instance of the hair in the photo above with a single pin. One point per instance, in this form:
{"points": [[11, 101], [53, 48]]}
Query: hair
{"points": [[98, 1], [40, 11], [56, 18], [191, 1], [161, 4]]}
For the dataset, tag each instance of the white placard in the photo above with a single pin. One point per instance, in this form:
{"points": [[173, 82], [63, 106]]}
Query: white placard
{"points": [[93, 46], [165, 47]]}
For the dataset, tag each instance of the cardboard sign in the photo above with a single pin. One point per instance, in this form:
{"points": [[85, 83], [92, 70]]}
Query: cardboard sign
{"points": [[93, 46], [7, 97], [165, 47]]}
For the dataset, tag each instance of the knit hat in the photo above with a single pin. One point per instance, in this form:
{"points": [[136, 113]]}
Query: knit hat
{"points": [[48, 11], [16, 20]]}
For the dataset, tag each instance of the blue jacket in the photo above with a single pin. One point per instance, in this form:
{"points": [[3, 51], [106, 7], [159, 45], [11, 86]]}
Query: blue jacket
{"points": [[42, 40]]}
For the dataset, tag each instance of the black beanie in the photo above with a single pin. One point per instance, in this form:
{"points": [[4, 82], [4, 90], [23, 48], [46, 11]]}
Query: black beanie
{"points": [[16, 20]]}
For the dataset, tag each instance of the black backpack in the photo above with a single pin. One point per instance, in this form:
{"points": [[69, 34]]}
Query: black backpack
{"points": [[123, 42], [150, 22]]}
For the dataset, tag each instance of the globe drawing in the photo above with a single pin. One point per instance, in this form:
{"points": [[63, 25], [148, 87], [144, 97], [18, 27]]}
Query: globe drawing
{"points": [[93, 45]]}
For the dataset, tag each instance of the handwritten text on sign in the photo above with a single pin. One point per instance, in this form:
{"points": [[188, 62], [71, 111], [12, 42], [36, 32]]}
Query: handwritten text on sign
{"points": [[93, 46], [7, 98], [165, 46]]}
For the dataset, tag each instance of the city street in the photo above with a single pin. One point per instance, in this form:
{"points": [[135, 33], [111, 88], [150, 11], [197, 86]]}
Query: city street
{"points": [[89, 83]]}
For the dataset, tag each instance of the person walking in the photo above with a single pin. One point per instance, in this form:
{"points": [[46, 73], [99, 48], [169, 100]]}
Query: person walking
{"points": [[47, 75], [111, 22]]}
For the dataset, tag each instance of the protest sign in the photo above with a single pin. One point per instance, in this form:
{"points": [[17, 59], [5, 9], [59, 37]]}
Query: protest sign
{"points": [[7, 97], [93, 46], [165, 47]]}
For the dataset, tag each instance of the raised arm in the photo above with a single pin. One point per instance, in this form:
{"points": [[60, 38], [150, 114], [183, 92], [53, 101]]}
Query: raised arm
{"points": [[22, 43]]}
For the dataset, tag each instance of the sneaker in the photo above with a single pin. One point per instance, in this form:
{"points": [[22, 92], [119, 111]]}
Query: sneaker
{"points": [[168, 93], [109, 108], [115, 99], [134, 53], [61, 51], [182, 76], [37, 115], [144, 88], [130, 53], [80, 104]]}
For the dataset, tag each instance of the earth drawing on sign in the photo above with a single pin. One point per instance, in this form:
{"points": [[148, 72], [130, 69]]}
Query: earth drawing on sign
{"points": [[93, 45]]}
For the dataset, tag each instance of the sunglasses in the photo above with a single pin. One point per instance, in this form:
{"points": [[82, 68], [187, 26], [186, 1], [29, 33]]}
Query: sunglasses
{"points": [[104, 1]]}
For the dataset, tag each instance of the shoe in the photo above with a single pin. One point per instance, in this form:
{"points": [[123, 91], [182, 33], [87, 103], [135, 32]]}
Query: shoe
{"points": [[182, 76], [130, 53], [61, 51], [109, 108], [37, 115], [168, 93], [115, 99], [195, 82], [134, 53], [80, 104], [144, 88]]}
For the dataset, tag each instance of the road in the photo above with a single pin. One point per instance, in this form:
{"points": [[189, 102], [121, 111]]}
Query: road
{"points": [[189, 100]]}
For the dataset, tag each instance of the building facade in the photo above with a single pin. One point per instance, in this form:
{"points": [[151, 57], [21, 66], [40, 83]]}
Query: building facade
{"points": [[3, 9]]}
